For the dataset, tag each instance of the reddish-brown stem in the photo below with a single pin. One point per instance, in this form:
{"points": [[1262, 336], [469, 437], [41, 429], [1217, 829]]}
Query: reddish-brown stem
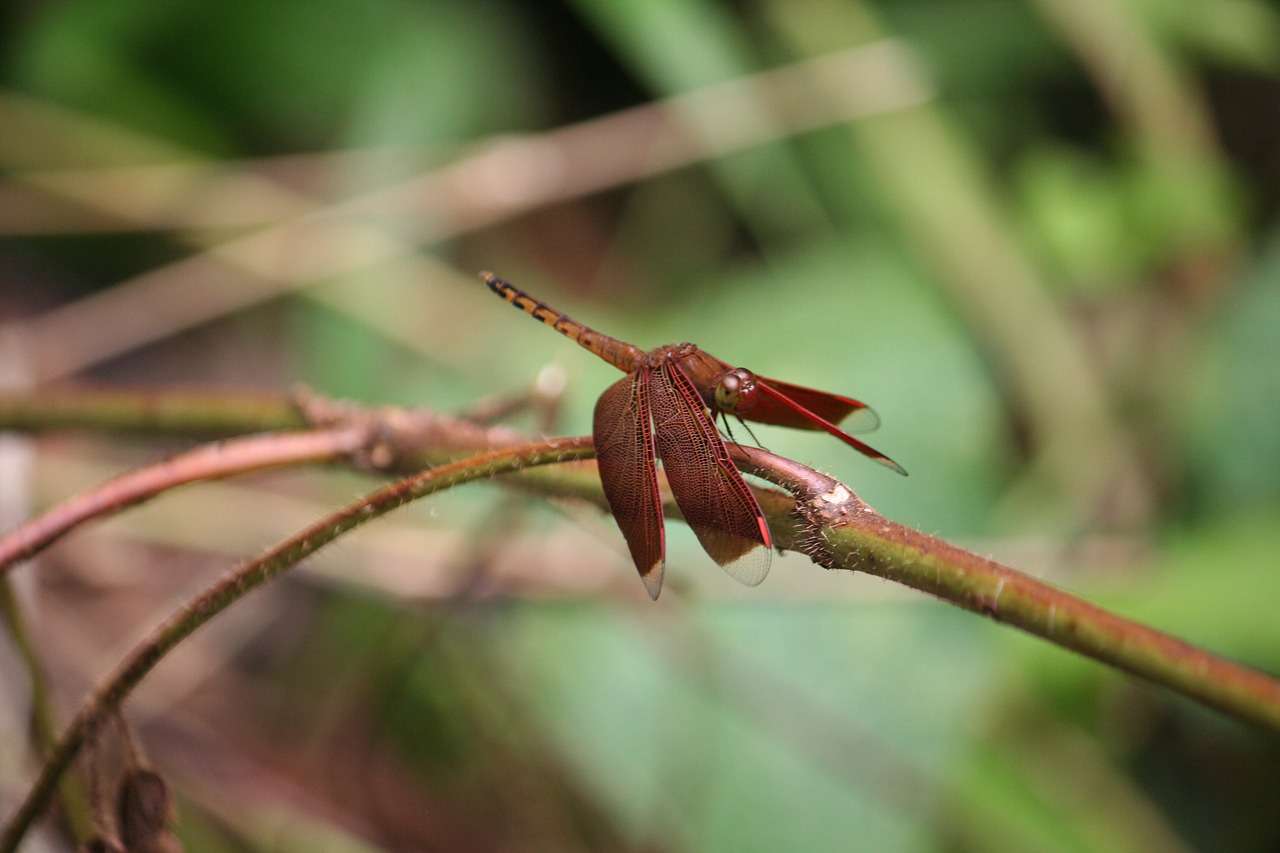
{"points": [[209, 462]]}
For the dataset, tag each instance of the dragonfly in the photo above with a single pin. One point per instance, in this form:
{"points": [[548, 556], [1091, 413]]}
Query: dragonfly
{"points": [[666, 408]]}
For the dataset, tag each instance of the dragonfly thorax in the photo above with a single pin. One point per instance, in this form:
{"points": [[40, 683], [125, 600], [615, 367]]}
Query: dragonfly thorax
{"points": [[686, 354]]}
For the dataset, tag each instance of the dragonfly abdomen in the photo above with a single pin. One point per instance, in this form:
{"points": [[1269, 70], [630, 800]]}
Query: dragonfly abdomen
{"points": [[621, 355]]}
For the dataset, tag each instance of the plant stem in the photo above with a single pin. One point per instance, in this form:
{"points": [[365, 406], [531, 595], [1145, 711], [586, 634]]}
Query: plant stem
{"points": [[208, 462], [825, 520], [839, 531], [246, 577], [162, 411], [75, 802]]}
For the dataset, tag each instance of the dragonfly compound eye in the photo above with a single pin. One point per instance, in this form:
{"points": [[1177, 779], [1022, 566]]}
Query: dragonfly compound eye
{"points": [[736, 391]]}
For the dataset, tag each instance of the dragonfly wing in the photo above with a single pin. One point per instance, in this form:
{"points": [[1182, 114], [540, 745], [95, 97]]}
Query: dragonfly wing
{"points": [[854, 415], [815, 421], [623, 436], [714, 499]]}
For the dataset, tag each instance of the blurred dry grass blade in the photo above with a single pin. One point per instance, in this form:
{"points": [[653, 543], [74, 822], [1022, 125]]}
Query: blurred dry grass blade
{"points": [[512, 176]]}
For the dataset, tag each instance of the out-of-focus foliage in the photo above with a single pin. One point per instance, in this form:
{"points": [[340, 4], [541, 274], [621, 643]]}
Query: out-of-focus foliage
{"points": [[1040, 240]]}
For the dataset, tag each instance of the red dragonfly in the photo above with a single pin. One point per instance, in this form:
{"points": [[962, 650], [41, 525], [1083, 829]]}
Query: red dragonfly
{"points": [[665, 408]]}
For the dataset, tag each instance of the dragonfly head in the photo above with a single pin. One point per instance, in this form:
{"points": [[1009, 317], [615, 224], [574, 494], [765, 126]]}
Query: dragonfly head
{"points": [[736, 391]]}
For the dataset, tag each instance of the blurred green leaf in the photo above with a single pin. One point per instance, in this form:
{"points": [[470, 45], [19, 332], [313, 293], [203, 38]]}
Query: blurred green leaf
{"points": [[275, 76], [1242, 33], [1236, 435]]}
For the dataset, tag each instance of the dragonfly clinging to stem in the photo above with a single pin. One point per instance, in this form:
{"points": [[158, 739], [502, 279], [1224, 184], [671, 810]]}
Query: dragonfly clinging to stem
{"points": [[665, 408]]}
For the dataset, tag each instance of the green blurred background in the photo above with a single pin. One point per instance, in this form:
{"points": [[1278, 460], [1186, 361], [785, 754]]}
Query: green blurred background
{"points": [[1038, 236]]}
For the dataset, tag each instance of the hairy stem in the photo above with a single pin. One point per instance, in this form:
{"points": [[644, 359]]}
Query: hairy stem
{"points": [[839, 531]]}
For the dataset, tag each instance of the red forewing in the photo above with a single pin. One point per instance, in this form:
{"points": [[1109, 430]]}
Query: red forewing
{"points": [[833, 408], [623, 437], [714, 499], [770, 393]]}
